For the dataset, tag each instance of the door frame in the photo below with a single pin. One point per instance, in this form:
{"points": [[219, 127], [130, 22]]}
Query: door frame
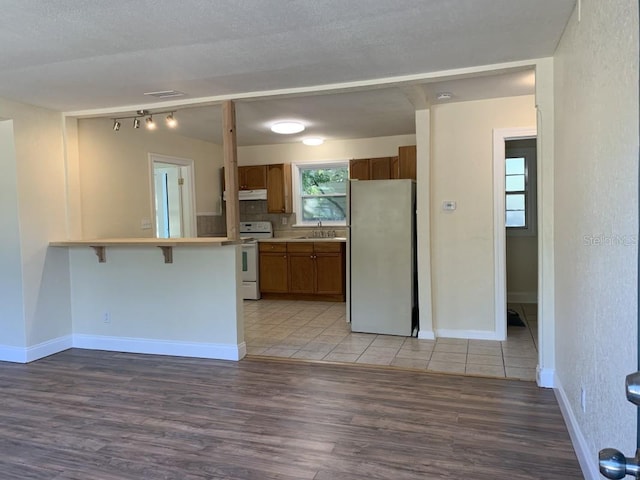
{"points": [[188, 191], [500, 136]]}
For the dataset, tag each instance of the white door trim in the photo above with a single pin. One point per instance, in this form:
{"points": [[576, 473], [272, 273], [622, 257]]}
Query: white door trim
{"points": [[500, 135], [189, 201]]}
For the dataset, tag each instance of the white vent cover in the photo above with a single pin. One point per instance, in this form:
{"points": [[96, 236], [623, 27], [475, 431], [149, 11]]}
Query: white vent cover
{"points": [[165, 94]]}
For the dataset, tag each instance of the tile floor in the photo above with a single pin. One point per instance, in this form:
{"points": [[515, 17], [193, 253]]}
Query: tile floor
{"points": [[319, 331]]}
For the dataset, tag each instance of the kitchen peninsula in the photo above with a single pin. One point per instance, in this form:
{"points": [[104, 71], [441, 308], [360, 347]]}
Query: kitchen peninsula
{"points": [[162, 296]]}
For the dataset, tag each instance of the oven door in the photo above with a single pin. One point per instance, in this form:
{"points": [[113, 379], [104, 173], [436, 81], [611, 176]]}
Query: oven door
{"points": [[250, 262]]}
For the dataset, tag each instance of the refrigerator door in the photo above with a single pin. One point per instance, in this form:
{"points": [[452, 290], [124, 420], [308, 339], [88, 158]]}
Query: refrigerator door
{"points": [[382, 256]]}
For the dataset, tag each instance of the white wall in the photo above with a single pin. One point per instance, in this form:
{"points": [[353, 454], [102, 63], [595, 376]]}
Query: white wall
{"points": [[11, 298], [330, 150], [114, 175], [188, 307], [36, 178], [462, 255], [596, 178]]}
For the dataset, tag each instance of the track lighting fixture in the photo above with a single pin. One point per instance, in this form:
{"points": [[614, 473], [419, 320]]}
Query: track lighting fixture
{"points": [[171, 122], [150, 124]]}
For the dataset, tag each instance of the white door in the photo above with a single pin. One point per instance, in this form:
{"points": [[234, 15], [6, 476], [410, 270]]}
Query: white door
{"points": [[173, 196]]}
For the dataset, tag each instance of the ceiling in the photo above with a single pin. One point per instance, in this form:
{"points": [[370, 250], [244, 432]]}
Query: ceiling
{"points": [[72, 56]]}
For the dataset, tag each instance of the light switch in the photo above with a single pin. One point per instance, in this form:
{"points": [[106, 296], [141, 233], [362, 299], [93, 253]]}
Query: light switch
{"points": [[449, 205]]}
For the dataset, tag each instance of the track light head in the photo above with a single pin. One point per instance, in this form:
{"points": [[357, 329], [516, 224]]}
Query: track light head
{"points": [[171, 122], [136, 122], [116, 125], [151, 125]]}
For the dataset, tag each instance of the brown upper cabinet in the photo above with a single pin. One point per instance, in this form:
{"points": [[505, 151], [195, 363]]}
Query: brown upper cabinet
{"points": [[279, 188], [385, 168], [370, 168], [253, 177], [407, 162]]}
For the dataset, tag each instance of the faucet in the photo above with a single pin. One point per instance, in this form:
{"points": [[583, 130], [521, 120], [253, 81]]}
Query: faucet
{"points": [[318, 232]]}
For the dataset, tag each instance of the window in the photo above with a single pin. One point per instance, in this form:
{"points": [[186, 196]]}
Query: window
{"points": [[321, 193], [520, 189], [516, 191]]}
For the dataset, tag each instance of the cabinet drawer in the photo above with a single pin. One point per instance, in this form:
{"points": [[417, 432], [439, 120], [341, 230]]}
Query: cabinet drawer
{"points": [[273, 247], [328, 247], [300, 247]]}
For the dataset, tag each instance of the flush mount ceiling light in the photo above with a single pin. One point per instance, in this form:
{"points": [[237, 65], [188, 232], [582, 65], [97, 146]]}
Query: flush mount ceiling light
{"points": [[444, 96], [287, 128], [313, 141]]}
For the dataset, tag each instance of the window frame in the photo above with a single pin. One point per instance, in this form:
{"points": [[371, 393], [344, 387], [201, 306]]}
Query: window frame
{"points": [[530, 190], [297, 168]]}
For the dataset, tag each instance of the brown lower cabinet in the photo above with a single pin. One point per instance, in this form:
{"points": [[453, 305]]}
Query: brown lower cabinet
{"points": [[302, 270]]}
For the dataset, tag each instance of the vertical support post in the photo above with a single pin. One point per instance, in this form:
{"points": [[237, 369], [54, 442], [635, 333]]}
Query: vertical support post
{"points": [[230, 152]]}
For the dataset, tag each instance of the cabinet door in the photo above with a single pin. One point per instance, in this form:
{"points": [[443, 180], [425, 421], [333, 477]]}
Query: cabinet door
{"points": [[253, 177], [330, 268], [359, 169], [407, 162], [329, 273], [380, 168], [274, 272], [301, 273], [279, 188], [395, 167]]}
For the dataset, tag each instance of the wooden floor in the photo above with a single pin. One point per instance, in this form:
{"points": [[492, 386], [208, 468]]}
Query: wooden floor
{"points": [[87, 415]]}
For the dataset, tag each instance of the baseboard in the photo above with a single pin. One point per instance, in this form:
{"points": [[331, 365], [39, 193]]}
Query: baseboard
{"points": [[545, 377], [218, 351], [468, 334], [586, 461], [35, 352], [13, 354], [49, 347], [426, 335], [522, 297]]}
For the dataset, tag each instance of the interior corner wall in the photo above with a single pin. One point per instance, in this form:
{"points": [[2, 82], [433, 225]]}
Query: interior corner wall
{"points": [[596, 221], [114, 175], [40, 189], [463, 240]]}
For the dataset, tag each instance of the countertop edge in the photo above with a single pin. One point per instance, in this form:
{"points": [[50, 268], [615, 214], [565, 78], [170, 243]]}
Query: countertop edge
{"points": [[152, 242]]}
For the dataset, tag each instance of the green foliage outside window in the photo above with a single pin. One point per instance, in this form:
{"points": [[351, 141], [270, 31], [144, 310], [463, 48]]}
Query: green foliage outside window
{"points": [[324, 193]]}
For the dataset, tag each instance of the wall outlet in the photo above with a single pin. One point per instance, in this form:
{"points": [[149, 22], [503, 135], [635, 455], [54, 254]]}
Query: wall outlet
{"points": [[284, 220], [145, 224], [583, 400], [106, 318]]}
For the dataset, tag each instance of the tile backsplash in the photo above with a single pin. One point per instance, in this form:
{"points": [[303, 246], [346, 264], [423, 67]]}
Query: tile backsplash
{"points": [[256, 211]]}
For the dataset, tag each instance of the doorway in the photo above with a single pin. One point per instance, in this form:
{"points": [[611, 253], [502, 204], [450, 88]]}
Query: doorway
{"points": [[516, 268], [173, 196]]}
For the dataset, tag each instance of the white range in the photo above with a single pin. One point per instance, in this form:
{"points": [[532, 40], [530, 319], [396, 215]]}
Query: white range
{"points": [[250, 259]]}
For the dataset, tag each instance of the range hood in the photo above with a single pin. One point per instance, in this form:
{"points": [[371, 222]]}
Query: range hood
{"points": [[260, 194]]}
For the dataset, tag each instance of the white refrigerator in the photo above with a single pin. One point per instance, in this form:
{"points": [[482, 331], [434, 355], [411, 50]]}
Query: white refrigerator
{"points": [[383, 284]]}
